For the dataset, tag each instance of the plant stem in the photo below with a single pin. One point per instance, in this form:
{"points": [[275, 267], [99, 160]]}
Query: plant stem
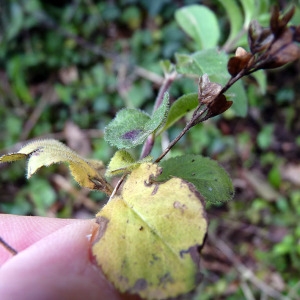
{"points": [[181, 134], [187, 127], [169, 78], [197, 114]]}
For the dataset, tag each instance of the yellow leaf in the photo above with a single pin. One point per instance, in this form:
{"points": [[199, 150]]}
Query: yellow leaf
{"points": [[149, 236], [122, 162], [47, 152]]}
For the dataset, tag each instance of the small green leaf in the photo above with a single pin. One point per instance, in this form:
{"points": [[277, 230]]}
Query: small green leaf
{"points": [[200, 23], [122, 161], [131, 127], [166, 66], [159, 116], [180, 108], [149, 237], [47, 152], [211, 180]]}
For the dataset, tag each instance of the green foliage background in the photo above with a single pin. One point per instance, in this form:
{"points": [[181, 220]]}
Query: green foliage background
{"points": [[78, 62]]}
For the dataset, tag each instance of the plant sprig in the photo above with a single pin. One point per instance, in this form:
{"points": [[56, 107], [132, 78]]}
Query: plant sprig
{"points": [[270, 47]]}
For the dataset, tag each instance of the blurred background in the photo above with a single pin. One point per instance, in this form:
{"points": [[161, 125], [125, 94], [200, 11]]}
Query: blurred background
{"points": [[67, 67]]}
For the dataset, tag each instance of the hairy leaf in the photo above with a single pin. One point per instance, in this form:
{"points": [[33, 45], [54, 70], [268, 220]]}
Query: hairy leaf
{"points": [[122, 161], [149, 236], [180, 108], [47, 152], [131, 127], [211, 180], [200, 23]]}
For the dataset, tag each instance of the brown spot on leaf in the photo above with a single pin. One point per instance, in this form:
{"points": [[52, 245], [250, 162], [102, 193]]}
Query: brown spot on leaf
{"points": [[165, 279], [194, 252], [102, 221], [147, 183], [139, 285], [199, 196], [155, 190], [178, 205]]}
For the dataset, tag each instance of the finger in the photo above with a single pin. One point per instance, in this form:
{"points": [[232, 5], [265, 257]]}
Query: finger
{"points": [[58, 266], [20, 232]]}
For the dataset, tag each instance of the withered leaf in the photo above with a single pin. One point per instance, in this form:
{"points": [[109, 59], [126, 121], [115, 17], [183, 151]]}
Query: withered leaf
{"points": [[218, 106], [47, 152], [207, 90]]}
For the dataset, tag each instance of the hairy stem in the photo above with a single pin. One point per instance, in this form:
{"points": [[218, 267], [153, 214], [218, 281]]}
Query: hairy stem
{"points": [[172, 144], [148, 145]]}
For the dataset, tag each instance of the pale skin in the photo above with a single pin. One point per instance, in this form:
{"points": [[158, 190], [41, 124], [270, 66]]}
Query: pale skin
{"points": [[53, 260]]}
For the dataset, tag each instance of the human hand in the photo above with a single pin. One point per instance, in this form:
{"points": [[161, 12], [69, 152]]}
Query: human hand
{"points": [[53, 260]]}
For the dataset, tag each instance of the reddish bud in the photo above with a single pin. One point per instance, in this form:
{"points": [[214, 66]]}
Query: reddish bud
{"points": [[240, 61], [283, 50], [259, 38]]}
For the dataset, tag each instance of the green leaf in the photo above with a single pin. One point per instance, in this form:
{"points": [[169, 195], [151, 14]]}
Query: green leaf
{"points": [[47, 152], [235, 17], [149, 236], [214, 63], [238, 95], [131, 127], [160, 114], [265, 136], [127, 129], [122, 161], [200, 23], [211, 62], [180, 108], [250, 8], [261, 79], [166, 66], [42, 196], [210, 179]]}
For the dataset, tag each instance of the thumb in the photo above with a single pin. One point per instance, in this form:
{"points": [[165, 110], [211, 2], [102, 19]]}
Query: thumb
{"points": [[57, 266]]}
